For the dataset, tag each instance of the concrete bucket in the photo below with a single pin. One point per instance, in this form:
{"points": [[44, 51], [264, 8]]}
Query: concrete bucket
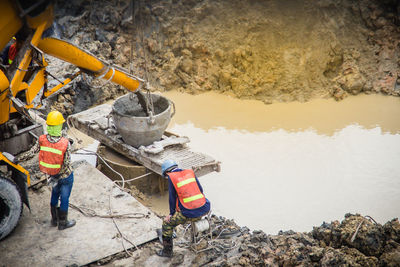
{"points": [[132, 122]]}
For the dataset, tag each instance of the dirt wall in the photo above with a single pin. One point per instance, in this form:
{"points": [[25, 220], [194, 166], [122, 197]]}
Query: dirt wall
{"points": [[266, 50]]}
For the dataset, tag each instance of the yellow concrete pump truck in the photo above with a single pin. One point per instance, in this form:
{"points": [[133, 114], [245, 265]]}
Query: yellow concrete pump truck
{"points": [[23, 85]]}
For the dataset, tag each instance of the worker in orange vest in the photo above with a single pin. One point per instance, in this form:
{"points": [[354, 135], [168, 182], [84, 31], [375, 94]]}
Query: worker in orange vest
{"points": [[10, 52], [186, 202], [54, 161]]}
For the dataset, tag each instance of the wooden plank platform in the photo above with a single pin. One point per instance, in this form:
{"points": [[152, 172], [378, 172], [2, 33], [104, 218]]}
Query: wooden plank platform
{"points": [[35, 243], [97, 123]]}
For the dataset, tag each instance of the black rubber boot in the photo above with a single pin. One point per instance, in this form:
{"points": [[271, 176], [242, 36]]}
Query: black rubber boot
{"points": [[159, 234], [54, 215], [168, 247], [63, 222]]}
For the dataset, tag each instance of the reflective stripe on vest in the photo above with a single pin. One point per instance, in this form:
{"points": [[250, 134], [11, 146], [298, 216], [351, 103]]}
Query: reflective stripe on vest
{"points": [[51, 155], [188, 191], [190, 180], [51, 166], [192, 198], [50, 149]]}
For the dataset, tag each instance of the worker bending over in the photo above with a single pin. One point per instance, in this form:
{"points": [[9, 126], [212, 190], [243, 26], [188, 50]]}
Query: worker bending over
{"points": [[54, 161], [186, 202]]}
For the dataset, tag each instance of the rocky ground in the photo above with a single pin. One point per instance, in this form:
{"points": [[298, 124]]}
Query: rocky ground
{"points": [[356, 241], [265, 50]]}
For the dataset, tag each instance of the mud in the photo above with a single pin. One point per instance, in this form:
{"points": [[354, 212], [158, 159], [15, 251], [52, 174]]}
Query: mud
{"points": [[273, 51], [331, 244]]}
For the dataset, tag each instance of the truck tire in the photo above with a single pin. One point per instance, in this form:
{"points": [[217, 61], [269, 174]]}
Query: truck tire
{"points": [[10, 206]]}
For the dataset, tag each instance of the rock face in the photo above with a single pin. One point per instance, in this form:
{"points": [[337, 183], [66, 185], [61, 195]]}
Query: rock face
{"points": [[265, 50]]}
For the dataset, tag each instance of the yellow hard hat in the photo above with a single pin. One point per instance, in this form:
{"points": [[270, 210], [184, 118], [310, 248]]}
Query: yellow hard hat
{"points": [[55, 118]]}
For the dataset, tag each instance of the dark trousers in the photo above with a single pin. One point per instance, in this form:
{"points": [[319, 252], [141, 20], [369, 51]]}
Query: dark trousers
{"points": [[61, 192], [176, 219]]}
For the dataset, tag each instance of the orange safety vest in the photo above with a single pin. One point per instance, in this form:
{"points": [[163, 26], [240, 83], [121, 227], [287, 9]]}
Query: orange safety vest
{"points": [[188, 191], [51, 155], [12, 52]]}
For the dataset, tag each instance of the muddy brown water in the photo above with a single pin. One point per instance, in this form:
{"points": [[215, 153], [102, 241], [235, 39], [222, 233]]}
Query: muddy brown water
{"points": [[292, 166]]}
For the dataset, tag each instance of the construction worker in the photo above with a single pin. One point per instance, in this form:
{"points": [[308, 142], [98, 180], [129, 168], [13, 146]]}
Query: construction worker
{"points": [[186, 202], [10, 52], [54, 161]]}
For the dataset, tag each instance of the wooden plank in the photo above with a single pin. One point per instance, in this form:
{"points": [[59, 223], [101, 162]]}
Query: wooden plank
{"points": [[36, 243]]}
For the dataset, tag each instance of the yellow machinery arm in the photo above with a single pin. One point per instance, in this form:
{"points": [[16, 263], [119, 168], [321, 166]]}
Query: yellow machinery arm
{"points": [[74, 55], [12, 20]]}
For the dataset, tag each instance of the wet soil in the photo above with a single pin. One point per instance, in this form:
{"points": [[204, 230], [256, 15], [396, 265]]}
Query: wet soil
{"points": [[355, 241], [273, 51]]}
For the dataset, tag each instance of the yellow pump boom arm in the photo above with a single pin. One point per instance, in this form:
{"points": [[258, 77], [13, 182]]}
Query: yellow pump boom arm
{"points": [[76, 56], [10, 23]]}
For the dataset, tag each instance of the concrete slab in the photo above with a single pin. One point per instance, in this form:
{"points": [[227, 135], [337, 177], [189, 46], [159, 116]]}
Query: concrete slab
{"points": [[36, 243]]}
